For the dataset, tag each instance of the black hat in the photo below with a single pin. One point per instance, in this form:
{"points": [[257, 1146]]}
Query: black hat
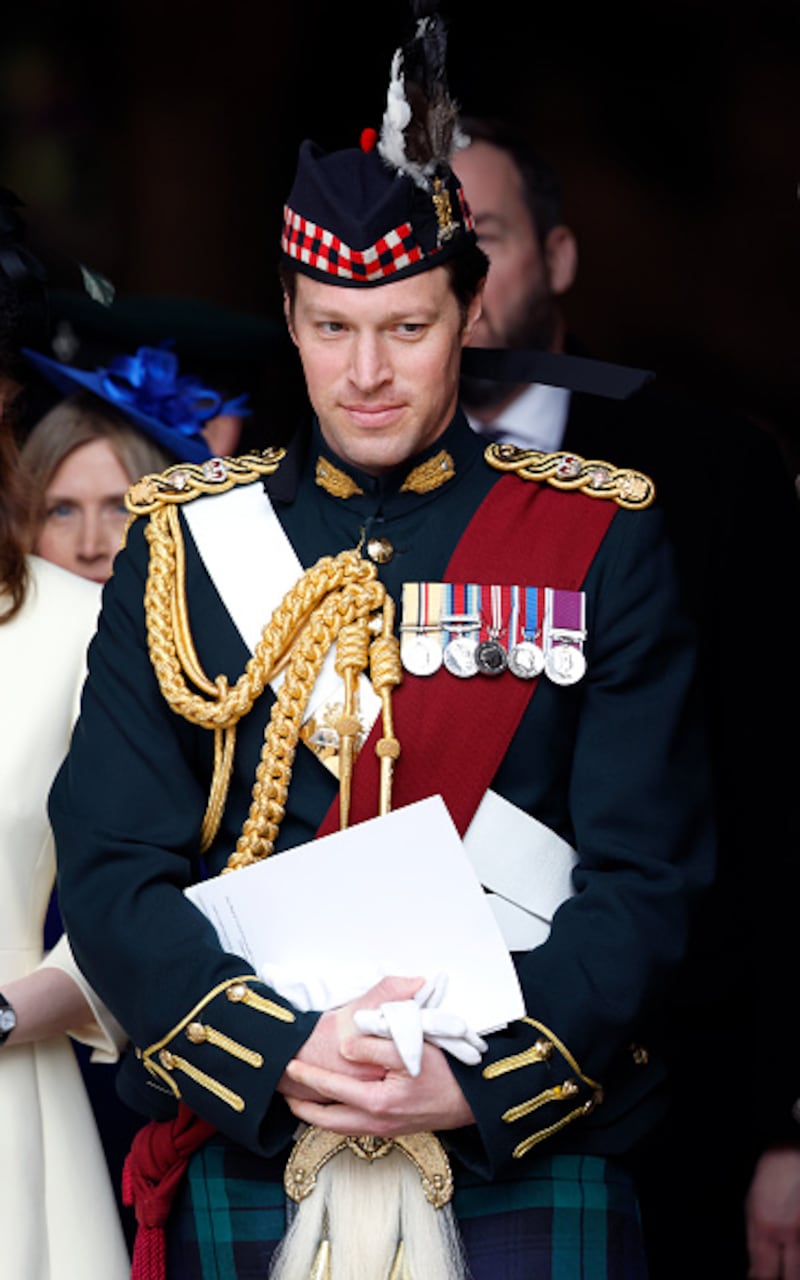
{"points": [[394, 207]]}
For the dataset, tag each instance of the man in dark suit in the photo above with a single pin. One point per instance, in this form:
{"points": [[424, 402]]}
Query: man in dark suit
{"points": [[731, 512]]}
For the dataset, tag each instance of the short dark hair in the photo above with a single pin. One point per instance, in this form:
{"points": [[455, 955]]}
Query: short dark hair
{"points": [[540, 182], [466, 271]]}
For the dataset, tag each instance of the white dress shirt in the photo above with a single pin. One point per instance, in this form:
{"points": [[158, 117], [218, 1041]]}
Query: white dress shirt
{"points": [[536, 419]]}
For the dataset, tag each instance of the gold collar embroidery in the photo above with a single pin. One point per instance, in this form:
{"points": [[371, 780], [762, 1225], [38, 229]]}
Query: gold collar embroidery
{"points": [[424, 478], [430, 475], [335, 482]]}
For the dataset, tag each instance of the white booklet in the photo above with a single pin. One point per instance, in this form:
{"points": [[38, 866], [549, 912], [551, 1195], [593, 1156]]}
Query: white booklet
{"points": [[395, 895]]}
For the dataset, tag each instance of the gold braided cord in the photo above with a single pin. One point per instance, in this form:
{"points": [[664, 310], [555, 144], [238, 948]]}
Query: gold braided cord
{"points": [[180, 618], [174, 1062], [204, 1033], [386, 673], [630, 489], [339, 609], [567, 1089], [565, 1053], [169, 636], [224, 747], [352, 655], [333, 602], [522, 1148]]}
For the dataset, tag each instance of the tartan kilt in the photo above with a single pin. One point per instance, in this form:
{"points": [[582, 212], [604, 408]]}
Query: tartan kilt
{"points": [[566, 1217]]}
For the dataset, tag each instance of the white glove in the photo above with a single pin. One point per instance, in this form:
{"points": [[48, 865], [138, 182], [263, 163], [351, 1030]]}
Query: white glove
{"points": [[408, 1022], [318, 992]]}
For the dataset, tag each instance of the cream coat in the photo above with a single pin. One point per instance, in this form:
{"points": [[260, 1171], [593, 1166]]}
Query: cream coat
{"points": [[58, 1218]]}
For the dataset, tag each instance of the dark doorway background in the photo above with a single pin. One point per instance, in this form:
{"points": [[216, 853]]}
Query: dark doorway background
{"points": [[157, 141]]}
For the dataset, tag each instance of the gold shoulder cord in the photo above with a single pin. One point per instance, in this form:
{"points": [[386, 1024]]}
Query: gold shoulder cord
{"points": [[630, 489], [338, 599]]}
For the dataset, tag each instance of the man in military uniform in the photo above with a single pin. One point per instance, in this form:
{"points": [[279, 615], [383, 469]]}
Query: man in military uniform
{"points": [[569, 695]]}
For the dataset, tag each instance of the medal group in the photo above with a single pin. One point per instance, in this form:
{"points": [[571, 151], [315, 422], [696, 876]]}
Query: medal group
{"points": [[471, 629]]}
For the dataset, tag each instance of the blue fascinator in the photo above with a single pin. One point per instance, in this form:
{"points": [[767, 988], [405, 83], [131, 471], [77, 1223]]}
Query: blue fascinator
{"points": [[170, 408]]}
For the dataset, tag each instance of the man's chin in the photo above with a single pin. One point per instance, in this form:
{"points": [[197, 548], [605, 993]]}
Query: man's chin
{"points": [[375, 457]]}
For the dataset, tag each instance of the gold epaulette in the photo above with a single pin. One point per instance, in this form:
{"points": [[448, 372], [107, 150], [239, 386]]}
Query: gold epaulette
{"points": [[577, 1088], [162, 1059], [630, 489], [187, 480]]}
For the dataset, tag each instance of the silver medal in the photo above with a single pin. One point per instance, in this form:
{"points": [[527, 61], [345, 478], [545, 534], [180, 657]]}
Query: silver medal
{"points": [[421, 654], [526, 660], [459, 656], [491, 658], [565, 664]]}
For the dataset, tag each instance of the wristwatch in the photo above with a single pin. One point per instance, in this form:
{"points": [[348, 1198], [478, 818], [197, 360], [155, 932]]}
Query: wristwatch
{"points": [[8, 1019]]}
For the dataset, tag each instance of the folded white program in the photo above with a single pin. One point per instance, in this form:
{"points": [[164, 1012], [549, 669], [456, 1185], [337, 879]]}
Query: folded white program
{"points": [[395, 895]]}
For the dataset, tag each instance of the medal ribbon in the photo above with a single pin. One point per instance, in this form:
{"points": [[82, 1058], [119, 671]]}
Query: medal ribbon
{"points": [[514, 618], [494, 605], [459, 604], [566, 610], [530, 623]]}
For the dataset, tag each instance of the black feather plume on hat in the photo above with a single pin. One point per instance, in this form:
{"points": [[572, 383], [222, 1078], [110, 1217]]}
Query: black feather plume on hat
{"points": [[420, 124]]}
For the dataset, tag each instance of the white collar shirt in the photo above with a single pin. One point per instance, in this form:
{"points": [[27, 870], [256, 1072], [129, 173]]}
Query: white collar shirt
{"points": [[535, 419]]}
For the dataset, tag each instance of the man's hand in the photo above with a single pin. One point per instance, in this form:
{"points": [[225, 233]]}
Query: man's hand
{"points": [[350, 1083], [773, 1216], [323, 1048]]}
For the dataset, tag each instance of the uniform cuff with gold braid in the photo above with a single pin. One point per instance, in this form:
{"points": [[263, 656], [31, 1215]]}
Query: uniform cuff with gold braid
{"points": [[576, 1093], [164, 1058]]}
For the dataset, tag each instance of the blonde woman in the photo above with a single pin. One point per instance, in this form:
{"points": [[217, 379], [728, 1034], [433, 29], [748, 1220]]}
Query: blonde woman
{"points": [[116, 423], [79, 459]]}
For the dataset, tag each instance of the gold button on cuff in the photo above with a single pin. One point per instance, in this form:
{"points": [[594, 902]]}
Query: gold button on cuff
{"points": [[196, 1032], [541, 1051], [240, 993]]}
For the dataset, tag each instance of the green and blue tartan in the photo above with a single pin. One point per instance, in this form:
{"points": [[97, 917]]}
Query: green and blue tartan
{"points": [[566, 1218]]}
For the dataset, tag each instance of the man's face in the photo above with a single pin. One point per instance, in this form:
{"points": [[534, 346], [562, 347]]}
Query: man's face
{"points": [[381, 364], [518, 303]]}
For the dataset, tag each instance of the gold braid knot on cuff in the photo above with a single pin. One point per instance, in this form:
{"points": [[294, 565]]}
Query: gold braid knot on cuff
{"points": [[338, 599]]}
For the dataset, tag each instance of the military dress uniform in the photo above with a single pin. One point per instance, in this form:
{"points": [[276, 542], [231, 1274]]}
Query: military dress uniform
{"points": [[613, 763]]}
